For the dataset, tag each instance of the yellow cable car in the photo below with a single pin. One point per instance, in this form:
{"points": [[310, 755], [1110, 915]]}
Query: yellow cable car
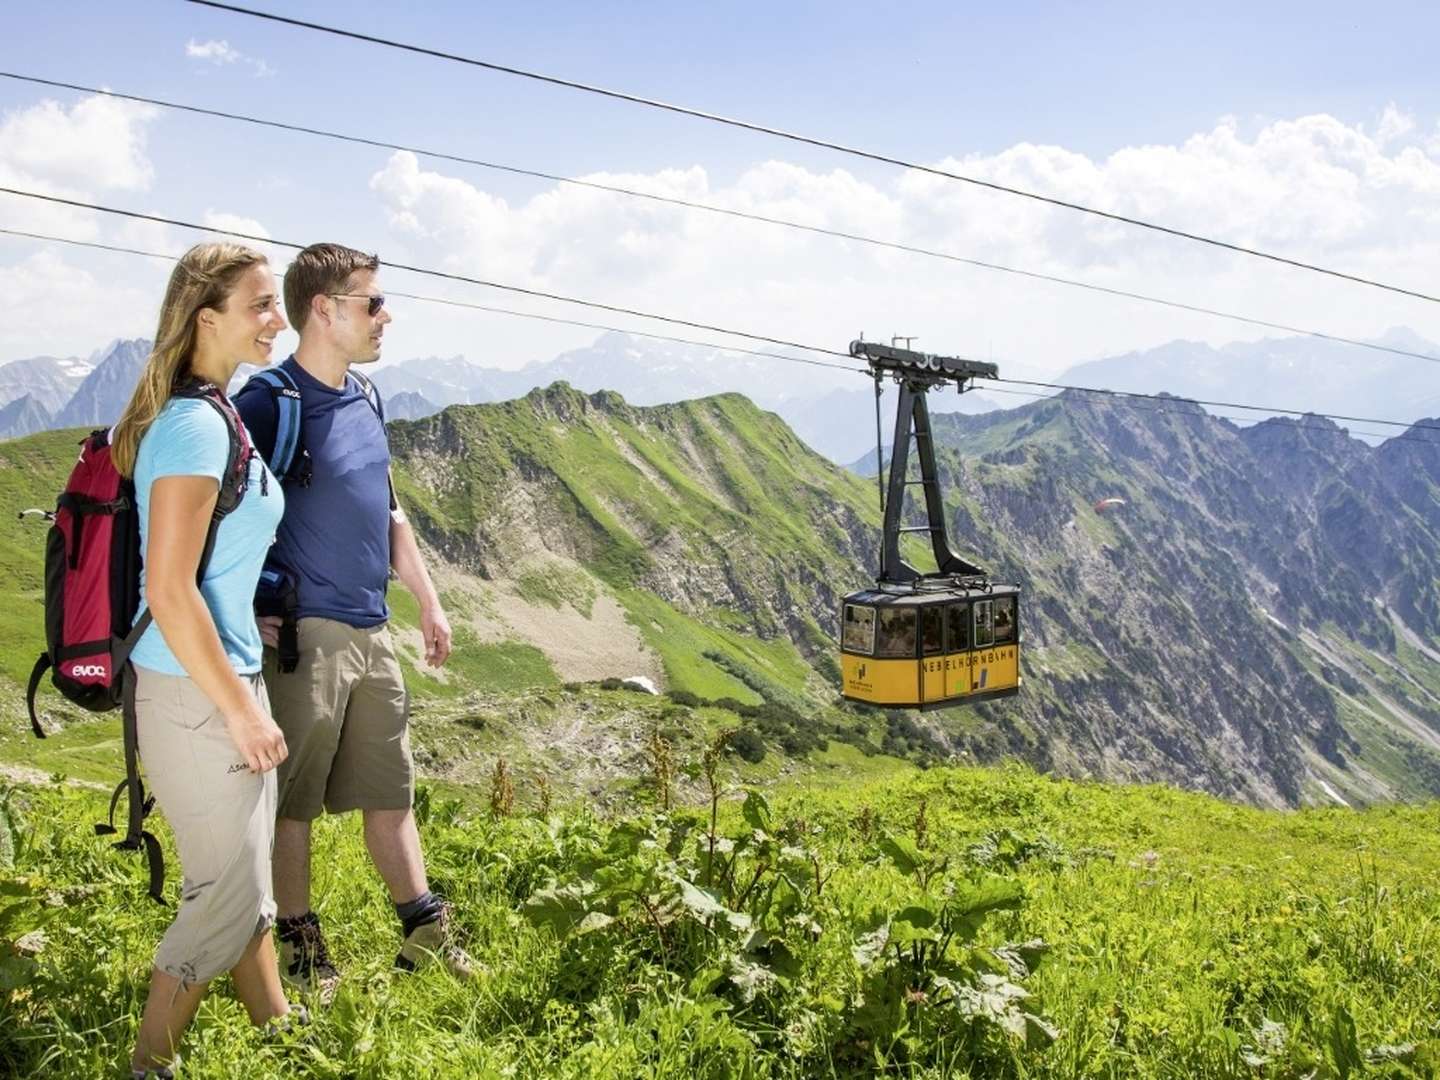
{"points": [[925, 640]]}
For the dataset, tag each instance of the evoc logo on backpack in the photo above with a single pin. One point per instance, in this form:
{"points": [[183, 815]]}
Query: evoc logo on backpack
{"points": [[80, 671]]}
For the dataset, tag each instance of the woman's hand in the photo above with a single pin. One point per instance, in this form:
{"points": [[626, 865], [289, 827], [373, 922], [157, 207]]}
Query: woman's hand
{"points": [[257, 737]]}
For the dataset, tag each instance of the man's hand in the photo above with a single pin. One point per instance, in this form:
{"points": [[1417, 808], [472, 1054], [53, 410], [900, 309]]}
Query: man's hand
{"points": [[269, 626], [435, 628]]}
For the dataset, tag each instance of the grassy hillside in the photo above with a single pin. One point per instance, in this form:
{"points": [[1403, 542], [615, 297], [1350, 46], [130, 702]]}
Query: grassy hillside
{"points": [[1159, 934]]}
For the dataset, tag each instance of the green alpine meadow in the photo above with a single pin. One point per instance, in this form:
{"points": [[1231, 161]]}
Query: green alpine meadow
{"points": [[1201, 842]]}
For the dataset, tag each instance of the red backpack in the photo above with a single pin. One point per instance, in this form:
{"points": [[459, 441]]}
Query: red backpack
{"points": [[92, 592]]}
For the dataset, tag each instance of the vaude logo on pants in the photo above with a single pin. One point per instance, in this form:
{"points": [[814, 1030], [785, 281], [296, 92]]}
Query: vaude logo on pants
{"points": [[83, 671]]}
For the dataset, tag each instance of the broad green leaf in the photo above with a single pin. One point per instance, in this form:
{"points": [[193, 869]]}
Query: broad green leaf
{"points": [[756, 811], [918, 916], [593, 920], [15, 972], [706, 979], [979, 898], [903, 933], [1022, 957], [902, 852], [1344, 1043], [560, 907], [704, 904]]}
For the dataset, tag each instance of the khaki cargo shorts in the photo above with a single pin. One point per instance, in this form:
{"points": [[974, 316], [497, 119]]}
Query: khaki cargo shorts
{"points": [[223, 818], [345, 714]]}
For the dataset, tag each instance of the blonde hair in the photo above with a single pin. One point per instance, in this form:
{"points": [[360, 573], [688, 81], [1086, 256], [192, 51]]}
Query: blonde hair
{"points": [[204, 277]]}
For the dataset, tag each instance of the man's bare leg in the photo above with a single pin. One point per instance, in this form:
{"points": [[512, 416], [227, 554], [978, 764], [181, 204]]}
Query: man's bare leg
{"points": [[394, 845], [290, 867]]}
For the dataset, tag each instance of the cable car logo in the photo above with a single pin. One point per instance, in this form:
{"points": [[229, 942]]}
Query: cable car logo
{"points": [[860, 672]]}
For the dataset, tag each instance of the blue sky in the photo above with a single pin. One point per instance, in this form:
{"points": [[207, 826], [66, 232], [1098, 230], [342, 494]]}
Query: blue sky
{"points": [[969, 82]]}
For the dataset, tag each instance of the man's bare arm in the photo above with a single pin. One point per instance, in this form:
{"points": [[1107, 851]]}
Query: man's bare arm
{"points": [[409, 567]]}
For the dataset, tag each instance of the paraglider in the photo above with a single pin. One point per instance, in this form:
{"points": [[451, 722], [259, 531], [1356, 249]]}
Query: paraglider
{"points": [[1109, 504]]}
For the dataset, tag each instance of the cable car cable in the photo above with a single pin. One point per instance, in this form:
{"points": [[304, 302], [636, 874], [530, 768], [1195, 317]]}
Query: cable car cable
{"points": [[443, 274], [447, 301], [885, 159], [1118, 394], [1138, 407], [1216, 404], [691, 204]]}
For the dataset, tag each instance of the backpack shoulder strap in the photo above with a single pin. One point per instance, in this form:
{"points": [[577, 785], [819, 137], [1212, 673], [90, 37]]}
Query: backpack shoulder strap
{"points": [[372, 395], [237, 458], [285, 396]]}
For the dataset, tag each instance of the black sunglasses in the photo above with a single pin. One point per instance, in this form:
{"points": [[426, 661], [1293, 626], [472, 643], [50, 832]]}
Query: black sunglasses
{"points": [[373, 308]]}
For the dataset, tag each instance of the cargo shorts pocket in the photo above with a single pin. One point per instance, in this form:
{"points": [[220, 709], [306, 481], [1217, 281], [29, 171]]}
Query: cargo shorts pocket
{"points": [[193, 708]]}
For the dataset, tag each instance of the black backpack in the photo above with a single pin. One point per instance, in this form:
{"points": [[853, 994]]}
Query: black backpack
{"points": [[276, 593], [92, 592]]}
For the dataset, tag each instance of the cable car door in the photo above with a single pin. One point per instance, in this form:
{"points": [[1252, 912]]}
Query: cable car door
{"points": [[932, 654]]}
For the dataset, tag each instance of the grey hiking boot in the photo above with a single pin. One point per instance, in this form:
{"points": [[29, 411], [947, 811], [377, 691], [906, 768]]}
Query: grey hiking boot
{"points": [[305, 960], [278, 1027], [435, 940]]}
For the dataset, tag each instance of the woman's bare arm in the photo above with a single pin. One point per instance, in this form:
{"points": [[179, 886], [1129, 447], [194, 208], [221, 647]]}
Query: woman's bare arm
{"points": [[180, 511]]}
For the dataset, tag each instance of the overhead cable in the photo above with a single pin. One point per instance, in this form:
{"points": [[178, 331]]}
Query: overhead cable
{"points": [[1169, 400], [886, 159], [1178, 399], [490, 309], [443, 274], [1136, 406], [711, 208]]}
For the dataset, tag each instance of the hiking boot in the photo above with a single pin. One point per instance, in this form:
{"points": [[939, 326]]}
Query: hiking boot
{"points": [[435, 940], [278, 1027], [305, 959]]}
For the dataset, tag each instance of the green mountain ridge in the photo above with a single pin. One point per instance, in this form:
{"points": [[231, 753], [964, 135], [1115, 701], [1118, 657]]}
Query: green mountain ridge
{"points": [[1222, 631]]}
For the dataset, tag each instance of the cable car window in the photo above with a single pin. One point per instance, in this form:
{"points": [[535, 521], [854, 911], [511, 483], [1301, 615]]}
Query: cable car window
{"points": [[859, 631], [932, 631], [897, 632], [984, 630], [957, 616], [1004, 619]]}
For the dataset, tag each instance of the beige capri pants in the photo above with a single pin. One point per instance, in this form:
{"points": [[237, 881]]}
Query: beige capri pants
{"points": [[223, 819]]}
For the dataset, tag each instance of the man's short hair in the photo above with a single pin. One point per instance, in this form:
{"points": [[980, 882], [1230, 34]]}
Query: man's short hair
{"points": [[318, 270]]}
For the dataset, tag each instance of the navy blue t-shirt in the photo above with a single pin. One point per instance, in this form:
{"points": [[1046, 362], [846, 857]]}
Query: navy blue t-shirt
{"points": [[335, 536]]}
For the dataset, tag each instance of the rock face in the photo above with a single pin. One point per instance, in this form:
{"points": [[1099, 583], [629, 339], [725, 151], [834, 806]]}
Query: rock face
{"points": [[23, 416], [49, 381], [1253, 621], [711, 505], [408, 405], [1233, 626], [101, 397]]}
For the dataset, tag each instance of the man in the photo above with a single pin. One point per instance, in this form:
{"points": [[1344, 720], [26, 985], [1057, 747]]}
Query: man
{"points": [[344, 709]]}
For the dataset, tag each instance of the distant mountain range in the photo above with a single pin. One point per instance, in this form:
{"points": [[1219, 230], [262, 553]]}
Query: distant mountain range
{"points": [[831, 411], [1259, 618]]}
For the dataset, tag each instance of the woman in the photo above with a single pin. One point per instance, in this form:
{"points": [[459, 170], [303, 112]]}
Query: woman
{"points": [[205, 734]]}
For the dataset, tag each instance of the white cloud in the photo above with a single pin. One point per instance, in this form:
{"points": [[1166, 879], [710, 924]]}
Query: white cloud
{"points": [[216, 52], [97, 144], [50, 296], [235, 223], [1314, 188], [221, 54]]}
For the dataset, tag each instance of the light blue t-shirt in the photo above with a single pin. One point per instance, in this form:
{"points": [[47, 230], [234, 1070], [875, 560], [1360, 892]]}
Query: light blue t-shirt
{"points": [[189, 438]]}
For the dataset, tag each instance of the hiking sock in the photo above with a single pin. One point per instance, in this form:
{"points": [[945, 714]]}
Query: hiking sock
{"points": [[292, 928], [425, 908]]}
